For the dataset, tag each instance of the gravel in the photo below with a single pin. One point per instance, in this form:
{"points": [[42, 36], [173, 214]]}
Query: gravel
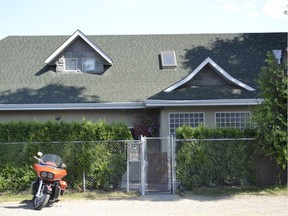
{"points": [[158, 205]]}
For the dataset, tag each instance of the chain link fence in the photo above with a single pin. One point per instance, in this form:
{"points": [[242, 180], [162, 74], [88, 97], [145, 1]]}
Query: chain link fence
{"points": [[92, 165], [215, 162], [165, 165]]}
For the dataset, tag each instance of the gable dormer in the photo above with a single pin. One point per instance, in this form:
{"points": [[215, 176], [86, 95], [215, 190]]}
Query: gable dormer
{"points": [[209, 73], [79, 54]]}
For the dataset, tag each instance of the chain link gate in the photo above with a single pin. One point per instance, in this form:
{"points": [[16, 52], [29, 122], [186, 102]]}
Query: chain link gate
{"points": [[150, 165], [157, 165]]}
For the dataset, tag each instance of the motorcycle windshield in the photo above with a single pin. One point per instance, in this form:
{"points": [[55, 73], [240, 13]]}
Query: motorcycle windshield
{"points": [[52, 160]]}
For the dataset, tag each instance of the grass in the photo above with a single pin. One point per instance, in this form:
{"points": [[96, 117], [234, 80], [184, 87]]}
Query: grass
{"points": [[234, 191]]}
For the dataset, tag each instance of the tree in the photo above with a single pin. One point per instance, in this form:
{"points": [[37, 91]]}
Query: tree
{"points": [[271, 115]]}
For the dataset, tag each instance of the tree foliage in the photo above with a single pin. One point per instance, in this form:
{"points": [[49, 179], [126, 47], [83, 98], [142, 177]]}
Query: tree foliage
{"points": [[271, 115]]}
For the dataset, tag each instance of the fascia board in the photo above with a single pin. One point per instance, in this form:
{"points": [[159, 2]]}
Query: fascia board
{"points": [[70, 40], [73, 106], [221, 102], [208, 60], [128, 105]]}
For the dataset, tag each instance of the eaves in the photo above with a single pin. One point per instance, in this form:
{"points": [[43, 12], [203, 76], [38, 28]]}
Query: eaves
{"points": [[73, 106], [129, 105], [221, 102]]}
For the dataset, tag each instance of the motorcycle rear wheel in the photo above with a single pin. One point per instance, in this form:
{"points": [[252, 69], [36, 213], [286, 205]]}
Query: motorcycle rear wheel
{"points": [[41, 201]]}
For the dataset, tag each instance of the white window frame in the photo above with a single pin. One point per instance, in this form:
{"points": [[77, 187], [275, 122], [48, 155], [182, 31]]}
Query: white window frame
{"points": [[240, 119], [192, 119], [83, 64], [70, 59]]}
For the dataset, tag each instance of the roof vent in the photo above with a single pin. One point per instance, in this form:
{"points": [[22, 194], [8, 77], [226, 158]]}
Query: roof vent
{"points": [[168, 60]]}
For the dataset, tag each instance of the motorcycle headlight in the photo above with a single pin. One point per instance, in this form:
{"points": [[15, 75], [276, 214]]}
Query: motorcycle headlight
{"points": [[44, 174], [50, 175]]}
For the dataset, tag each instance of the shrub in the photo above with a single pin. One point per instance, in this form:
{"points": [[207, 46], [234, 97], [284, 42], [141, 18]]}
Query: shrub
{"points": [[101, 161], [203, 162], [15, 178]]}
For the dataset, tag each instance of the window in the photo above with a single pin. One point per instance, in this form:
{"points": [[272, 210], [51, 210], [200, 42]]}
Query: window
{"points": [[88, 64], [70, 64], [168, 59], [179, 119], [239, 120]]}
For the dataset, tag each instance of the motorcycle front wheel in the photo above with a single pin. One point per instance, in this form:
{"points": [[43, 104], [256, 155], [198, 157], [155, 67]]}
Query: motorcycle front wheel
{"points": [[40, 201]]}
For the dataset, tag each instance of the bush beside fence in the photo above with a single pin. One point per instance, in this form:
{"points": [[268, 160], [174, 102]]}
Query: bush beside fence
{"points": [[103, 162], [210, 163], [98, 165], [200, 159]]}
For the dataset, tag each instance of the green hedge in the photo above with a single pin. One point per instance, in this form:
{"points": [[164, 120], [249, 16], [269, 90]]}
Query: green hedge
{"points": [[103, 162], [214, 162]]}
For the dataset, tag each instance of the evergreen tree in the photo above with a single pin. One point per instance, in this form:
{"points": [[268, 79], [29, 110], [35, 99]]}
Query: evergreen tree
{"points": [[271, 115]]}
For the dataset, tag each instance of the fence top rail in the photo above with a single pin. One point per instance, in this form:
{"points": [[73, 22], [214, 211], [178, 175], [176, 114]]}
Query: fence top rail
{"points": [[67, 142], [125, 141], [149, 138], [217, 139]]}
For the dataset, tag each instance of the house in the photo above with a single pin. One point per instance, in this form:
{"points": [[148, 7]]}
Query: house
{"points": [[179, 79]]}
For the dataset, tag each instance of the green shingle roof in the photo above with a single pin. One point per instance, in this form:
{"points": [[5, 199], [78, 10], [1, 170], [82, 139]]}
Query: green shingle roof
{"points": [[136, 74]]}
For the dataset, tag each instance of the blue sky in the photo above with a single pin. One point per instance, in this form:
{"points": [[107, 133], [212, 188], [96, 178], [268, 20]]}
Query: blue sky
{"points": [[106, 17]]}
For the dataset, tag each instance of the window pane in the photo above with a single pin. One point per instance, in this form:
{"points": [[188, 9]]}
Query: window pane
{"points": [[233, 120], [70, 64], [88, 64], [179, 119]]}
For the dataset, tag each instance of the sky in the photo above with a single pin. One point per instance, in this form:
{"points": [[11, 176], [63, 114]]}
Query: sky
{"points": [[114, 17]]}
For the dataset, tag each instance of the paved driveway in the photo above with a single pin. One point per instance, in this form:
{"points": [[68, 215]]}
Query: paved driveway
{"points": [[158, 205]]}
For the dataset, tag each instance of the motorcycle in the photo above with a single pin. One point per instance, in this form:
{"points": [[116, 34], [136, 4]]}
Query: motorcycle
{"points": [[49, 185]]}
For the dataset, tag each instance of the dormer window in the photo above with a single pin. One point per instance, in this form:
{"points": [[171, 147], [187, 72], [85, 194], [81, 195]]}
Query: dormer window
{"points": [[79, 53], [70, 64], [88, 64]]}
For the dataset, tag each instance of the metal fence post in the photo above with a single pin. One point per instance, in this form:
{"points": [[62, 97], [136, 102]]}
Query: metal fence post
{"points": [[84, 181], [143, 165], [128, 168], [173, 162], [170, 167]]}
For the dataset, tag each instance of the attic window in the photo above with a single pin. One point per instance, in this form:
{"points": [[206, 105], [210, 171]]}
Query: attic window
{"points": [[168, 59], [70, 64], [277, 55], [88, 64]]}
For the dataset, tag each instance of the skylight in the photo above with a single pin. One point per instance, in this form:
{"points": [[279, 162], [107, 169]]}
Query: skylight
{"points": [[168, 59]]}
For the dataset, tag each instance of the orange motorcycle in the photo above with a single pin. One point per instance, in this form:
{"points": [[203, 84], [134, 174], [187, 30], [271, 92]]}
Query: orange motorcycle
{"points": [[48, 186]]}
